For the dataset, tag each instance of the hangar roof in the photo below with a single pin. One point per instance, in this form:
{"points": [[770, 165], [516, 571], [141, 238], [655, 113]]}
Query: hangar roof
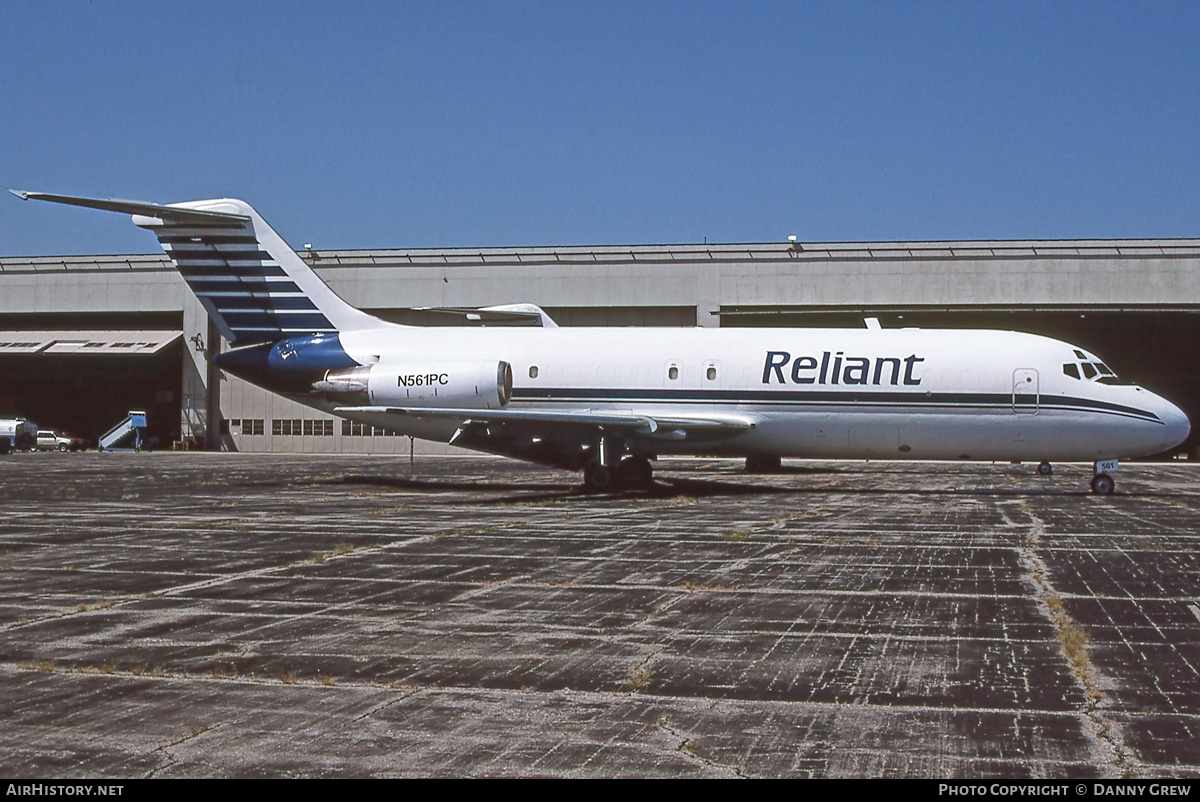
{"points": [[685, 253], [88, 343]]}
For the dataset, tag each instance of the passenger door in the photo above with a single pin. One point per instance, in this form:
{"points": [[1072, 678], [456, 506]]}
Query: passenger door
{"points": [[1025, 391]]}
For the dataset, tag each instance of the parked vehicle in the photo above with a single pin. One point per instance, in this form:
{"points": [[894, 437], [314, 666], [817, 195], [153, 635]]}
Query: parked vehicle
{"points": [[49, 440], [17, 434]]}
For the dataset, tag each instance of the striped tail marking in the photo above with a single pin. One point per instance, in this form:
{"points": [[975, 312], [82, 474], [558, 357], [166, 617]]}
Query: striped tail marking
{"points": [[243, 288], [252, 284]]}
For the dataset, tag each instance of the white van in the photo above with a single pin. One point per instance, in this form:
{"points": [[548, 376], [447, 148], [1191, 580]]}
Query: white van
{"points": [[17, 434]]}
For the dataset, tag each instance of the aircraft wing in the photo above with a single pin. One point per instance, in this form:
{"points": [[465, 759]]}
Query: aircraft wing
{"points": [[639, 424], [564, 439]]}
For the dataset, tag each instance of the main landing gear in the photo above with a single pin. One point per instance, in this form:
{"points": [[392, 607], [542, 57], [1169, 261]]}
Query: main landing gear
{"points": [[1045, 469], [763, 463], [634, 471]]}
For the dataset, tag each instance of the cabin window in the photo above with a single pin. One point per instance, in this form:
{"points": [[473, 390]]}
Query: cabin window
{"points": [[1089, 371], [711, 373], [673, 373], [1070, 369], [533, 371]]}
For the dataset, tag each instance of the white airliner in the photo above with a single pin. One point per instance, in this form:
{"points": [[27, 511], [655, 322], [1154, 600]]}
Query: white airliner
{"points": [[609, 400]]}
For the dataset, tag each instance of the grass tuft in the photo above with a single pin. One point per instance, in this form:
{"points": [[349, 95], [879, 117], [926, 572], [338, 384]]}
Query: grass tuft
{"points": [[638, 680]]}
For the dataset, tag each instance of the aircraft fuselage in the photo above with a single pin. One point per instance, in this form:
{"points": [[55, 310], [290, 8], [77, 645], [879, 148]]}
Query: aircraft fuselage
{"points": [[820, 393]]}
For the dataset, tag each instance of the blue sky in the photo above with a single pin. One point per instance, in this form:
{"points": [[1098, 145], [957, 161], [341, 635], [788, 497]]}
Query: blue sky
{"points": [[355, 125]]}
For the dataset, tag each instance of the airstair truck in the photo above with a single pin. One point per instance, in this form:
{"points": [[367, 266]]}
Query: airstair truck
{"points": [[126, 435]]}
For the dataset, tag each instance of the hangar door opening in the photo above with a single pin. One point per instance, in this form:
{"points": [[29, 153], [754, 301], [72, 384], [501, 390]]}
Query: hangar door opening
{"points": [[86, 382]]}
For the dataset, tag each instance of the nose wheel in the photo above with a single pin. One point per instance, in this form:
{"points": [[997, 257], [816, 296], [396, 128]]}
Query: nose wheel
{"points": [[1103, 484]]}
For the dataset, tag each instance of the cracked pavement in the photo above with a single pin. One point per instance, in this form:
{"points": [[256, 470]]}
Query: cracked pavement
{"points": [[199, 615]]}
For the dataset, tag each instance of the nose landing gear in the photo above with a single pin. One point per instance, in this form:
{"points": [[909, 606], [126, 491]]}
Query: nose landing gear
{"points": [[1102, 483]]}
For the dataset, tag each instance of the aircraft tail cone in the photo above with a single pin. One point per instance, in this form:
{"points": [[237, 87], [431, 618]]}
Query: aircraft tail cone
{"points": [[251, 364]]}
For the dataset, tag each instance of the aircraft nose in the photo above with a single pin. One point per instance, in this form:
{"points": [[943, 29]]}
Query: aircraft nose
{"points": [[1177, 425]]}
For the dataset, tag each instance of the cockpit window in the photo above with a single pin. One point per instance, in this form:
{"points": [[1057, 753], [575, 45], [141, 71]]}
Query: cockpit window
{"points": [[1092, 369]]}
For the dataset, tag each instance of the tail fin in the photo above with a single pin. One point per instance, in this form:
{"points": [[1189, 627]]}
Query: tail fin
{"points": [[251, 283]]}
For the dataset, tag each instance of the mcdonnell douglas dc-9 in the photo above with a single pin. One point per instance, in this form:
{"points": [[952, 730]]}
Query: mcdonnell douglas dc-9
{"points": [[608, 401]]}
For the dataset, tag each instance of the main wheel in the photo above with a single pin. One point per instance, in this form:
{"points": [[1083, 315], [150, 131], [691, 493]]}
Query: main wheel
{"points": [[598, 477], [62, 447], [762, 463], [1045, 469], [1103, 484], [636, 472]]}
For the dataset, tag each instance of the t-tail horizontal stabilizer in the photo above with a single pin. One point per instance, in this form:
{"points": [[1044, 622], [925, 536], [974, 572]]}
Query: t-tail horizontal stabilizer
{"points": [[504, 315], [253, 285]]}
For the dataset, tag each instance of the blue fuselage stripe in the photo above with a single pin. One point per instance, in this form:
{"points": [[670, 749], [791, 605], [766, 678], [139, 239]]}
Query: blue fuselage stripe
{"points": [[1004, 401]]}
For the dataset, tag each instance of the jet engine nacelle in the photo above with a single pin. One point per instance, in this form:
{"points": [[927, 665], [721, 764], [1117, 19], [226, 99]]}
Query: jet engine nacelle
{"points": [[470, 385]]}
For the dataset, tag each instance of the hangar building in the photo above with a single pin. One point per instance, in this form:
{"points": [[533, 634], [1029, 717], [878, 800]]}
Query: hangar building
{"points": [[83, 339]]}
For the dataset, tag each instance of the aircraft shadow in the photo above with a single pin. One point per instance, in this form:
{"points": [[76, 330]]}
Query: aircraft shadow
{"points": [[441, 485], [533, 492], [666, 488]]}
